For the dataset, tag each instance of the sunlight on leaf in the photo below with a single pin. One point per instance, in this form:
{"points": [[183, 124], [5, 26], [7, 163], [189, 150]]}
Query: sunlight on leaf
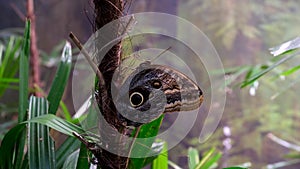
{"points": [[285, 47]]}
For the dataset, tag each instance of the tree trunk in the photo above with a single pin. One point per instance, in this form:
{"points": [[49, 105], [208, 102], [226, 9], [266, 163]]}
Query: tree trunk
{"points": [[105, 12]]}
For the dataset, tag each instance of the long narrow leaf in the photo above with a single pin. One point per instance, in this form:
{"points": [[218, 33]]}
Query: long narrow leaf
{"points": [[258, 75], [57, 124], [71, 161], [193, 157], [10, 63], [83, 161], [61, 79], [23, 94], [63, 152], [141, 148], [24, 69], [8, 149], [212, 161], [161, 162], [290, 71], [286, 47], [40, 144], [205, 159]]}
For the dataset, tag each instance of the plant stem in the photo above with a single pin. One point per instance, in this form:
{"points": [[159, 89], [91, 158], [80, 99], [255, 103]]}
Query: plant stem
{"points": [[34, 59]]}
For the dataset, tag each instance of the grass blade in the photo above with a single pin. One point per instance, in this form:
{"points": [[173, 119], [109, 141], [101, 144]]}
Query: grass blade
{"points": [[254, 77], [61, 79], [212, 161], [193, 157], [205, 160], [23, 74], [286, 47], [161, 162], [10, 63], [290, 71], [23, 94]]}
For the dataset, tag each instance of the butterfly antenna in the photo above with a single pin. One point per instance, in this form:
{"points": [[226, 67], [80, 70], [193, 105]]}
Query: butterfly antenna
{"points": [[132, 143], [161, 53]]}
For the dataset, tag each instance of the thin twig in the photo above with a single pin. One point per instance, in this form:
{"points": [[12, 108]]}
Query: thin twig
{"points": [[34, 60], [18, 11], [132, 143], [121, 13], [88, 58], [161, 54]]}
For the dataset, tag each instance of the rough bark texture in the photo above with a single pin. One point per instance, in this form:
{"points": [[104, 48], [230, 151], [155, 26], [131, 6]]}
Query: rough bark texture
{"points": [[105, 12]]}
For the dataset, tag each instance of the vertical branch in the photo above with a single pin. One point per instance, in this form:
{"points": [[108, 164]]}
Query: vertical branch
{"points": [[34, 59], [107, 11]]}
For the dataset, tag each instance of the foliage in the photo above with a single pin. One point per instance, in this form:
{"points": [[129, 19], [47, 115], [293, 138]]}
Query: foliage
{"points": [[263, 20], [38, 150], [10, 49], [9, 63], [242, 32], [40, 147], [72, 154], [208, 161]]}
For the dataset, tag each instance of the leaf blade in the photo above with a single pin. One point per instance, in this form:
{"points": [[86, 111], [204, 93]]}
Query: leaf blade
{"points": [[61, 79]]}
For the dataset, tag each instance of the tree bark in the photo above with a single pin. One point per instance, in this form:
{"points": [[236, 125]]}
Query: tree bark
{"points": [[105, 12]]}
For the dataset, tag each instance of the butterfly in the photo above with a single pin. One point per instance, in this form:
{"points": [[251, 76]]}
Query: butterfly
{"points": [[152, 90], [148, 92]]}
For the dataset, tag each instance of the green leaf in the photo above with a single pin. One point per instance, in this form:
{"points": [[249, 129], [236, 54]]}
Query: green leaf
{"points": [[23, 74], [286, 47], [290, 71], [66, 113], [8, 146], [57, 123], [254, 77], [212, 161], [193, 157], [40, 144], [23, 95], [208, 160], [9, 63], [71, 161], [142, 147], [61, 79], [70, 145], [83, 161], [161, 162]]}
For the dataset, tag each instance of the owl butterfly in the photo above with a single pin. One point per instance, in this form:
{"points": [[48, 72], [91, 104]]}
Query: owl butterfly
{"points": [[146, 93], [152, 90]]}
